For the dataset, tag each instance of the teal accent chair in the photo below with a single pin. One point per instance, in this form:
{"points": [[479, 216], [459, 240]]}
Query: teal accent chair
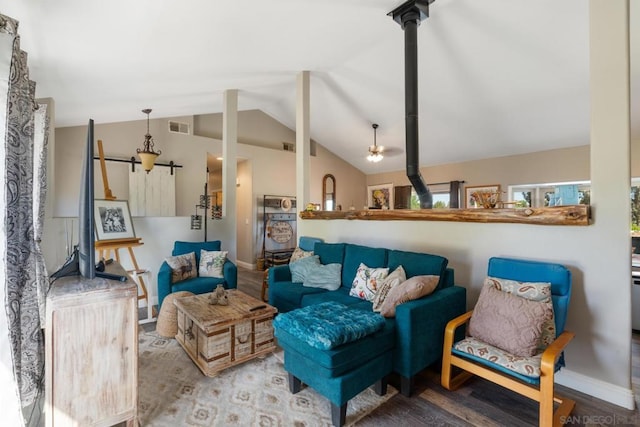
{"points": [[537, 387], [196, 285]]}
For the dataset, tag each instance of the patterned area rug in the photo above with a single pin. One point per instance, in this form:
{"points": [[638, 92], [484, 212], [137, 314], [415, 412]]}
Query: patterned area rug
{"points": [[173, 392]]}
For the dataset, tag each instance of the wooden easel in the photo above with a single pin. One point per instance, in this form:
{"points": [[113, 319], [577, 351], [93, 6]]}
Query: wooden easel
{"points": [[103, 167], [105, 247]]}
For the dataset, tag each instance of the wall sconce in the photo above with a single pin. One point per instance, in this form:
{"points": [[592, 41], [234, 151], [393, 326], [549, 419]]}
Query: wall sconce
{"points": [[147, 154]]}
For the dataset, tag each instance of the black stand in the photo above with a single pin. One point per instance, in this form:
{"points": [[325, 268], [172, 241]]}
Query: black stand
{"points": [[71, 267]]}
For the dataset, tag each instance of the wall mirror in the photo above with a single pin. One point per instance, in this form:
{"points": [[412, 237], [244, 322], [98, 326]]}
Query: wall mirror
{"points": [[328, 192], [214, 185]]}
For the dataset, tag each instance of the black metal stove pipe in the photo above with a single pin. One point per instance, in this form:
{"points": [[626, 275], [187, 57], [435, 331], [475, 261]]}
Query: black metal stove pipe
{"points": [[410, 22]]}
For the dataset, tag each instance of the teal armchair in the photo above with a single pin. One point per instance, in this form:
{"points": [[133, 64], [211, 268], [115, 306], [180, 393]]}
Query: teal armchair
{"points": [[533, 376], [196, 285]]}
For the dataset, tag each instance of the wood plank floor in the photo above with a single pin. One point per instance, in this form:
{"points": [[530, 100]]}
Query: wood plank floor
{"points": [[479, 402]]}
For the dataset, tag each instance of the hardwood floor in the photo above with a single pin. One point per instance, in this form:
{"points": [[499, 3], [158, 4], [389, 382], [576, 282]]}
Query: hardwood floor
{"points": [[478, 402]]}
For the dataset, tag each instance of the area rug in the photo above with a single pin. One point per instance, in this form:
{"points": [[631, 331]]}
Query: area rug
{"points": [[174, 392]]}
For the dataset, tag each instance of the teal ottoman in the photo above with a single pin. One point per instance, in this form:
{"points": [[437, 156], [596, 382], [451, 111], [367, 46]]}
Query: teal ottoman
{"points": [[336, 350]]}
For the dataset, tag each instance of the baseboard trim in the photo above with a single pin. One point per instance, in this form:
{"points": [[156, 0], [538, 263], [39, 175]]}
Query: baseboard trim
{"points": [[246, 265], [602, 390]]}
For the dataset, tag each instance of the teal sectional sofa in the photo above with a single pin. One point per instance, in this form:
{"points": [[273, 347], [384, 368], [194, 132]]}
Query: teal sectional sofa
{"points": [[418, 325]]}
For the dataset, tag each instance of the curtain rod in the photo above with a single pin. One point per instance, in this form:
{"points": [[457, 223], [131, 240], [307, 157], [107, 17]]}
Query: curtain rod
{"points": [[443, 183], [133, 162]]}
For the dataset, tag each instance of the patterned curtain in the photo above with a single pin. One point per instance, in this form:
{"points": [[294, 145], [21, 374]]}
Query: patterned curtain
{"points": [[23, 156]]}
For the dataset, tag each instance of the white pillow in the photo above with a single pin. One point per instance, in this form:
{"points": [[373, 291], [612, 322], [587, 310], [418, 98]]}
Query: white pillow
{"points": [[211, 263], [366, 282]]}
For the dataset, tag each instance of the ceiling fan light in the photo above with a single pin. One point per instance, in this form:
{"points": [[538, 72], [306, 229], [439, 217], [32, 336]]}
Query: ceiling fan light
{"points": [[375, 152], [375, 157]]}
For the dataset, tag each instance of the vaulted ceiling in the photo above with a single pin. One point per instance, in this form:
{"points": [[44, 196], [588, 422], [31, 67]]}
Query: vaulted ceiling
{"points": [[495, 77]]}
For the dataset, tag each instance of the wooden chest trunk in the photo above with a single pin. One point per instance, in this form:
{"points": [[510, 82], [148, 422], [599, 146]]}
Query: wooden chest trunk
{"points": [[218, 336]]}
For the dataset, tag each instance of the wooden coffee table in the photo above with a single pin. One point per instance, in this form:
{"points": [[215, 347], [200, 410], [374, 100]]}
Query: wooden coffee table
{"points": [[219, 336]]}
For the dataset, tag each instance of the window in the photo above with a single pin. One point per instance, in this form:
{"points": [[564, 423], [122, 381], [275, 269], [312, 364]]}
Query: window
{"points": [[551, 194], [440, 199], [635, 205]]}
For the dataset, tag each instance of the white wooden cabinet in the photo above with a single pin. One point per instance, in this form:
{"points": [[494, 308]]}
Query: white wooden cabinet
{"points": [[91, 345]]}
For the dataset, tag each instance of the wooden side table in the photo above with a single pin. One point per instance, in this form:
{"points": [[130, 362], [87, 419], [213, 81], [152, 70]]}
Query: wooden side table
{"points": [[277, 256], [91, 351]]}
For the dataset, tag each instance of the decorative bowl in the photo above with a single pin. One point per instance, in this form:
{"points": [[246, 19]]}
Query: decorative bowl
{"points": [[487, 199]]}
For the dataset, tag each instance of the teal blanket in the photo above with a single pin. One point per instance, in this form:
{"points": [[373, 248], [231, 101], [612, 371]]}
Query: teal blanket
{"points": [[328, 325]]}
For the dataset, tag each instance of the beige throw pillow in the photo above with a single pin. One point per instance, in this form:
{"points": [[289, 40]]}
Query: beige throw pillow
{"points": [[413, 288], [183, 267], [509, 322], [535, 291], [394, 279]]}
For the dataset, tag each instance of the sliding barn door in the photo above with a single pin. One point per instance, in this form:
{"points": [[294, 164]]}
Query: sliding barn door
{"points": [[153, 193]]}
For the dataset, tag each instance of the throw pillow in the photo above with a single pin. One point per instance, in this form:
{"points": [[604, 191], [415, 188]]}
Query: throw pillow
{"points": [[395, 278], [413, 288], [183, 267], [509, 322], [365, 284], [211, 263], [300, 269], [535, 291], [299, 254], [325, 276]]}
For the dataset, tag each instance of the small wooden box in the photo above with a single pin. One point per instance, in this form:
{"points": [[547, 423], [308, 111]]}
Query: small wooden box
{"points": [[219, 336]]}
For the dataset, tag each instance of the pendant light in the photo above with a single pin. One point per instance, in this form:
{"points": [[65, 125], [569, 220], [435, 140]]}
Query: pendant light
{"points": [[147, 154]]}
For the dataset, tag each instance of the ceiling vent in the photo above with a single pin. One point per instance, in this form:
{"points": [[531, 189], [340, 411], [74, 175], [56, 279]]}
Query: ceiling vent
{"points": [[178, 127], [288, 146]]}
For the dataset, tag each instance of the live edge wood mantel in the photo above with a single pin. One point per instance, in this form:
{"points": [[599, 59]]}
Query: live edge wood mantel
{"points": [[557, 215]]}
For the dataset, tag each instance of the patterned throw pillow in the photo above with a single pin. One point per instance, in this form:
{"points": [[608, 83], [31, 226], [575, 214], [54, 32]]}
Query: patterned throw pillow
{"points": [[211, 263], [534, 291], [412, 288], [298, 254], [183, 267], [509, 322], [395, 278], [366, 282]]}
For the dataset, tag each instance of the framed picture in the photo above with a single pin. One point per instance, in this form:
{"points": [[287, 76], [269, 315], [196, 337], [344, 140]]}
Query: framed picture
{"points": [[489, 193], [113, 220], [380, 196]]}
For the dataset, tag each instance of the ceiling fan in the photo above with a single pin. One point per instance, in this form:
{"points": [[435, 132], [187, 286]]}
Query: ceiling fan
{"points": [[375, 150]]}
